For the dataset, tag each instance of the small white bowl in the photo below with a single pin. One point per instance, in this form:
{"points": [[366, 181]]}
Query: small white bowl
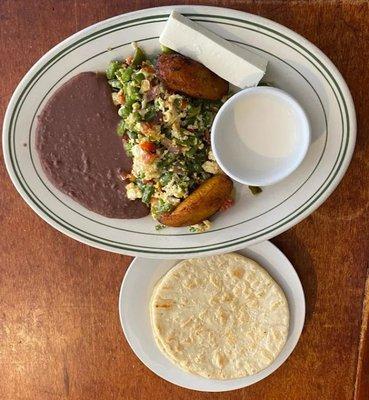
{"points": [[260, 136]]}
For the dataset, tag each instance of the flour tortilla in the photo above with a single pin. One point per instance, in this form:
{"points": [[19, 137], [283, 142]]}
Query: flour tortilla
{"points": [[220, 317]]}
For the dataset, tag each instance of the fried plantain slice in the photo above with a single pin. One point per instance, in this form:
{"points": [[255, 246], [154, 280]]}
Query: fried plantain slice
{"points": [[205, 201], [181, 74]]}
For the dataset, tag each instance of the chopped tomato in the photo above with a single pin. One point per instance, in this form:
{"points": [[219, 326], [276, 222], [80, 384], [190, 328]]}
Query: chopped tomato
{"points": [[128, 60], [148, 146], [148, 68], [121, 98], [148, 128]]}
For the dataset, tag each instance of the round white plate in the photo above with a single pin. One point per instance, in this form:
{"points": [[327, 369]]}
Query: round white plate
{"points": [[135, 293], [295, 65]]}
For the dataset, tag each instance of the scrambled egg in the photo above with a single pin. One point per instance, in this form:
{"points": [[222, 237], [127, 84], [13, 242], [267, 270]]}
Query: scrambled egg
{"points": [[212, 167], [173, 189], [141, 167], [133, 191]]}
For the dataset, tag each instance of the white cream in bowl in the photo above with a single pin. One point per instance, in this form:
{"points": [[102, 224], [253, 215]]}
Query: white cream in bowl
{"points": [[260, 136]]}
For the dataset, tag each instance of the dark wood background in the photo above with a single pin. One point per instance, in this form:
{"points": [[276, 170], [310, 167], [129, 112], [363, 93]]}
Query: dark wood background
{"points": [[60, 336]]}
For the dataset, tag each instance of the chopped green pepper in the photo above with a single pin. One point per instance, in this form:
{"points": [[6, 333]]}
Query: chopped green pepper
{"points": [[124, 74], [208, 117], [147, 192], [255, 189], [132, 93], [165, 49], [150, 113], [189, 121], [125, 110], [265, 84], [191, 152], [121, 128], [166, 178], [128, 147], [138, 57], [162, 207], [115, 84], [132, 135], [139, 77], [194, 111], [112, 68]]}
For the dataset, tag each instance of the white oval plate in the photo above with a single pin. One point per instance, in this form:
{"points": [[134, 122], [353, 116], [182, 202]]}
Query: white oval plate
{"points": [[295, 65], [135, 293]]}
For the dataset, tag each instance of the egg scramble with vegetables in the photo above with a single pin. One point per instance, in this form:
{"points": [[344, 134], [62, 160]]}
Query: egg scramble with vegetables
{"points": [[167, 135]]}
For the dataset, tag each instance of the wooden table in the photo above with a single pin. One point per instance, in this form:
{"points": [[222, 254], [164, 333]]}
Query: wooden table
{"points": [[60, 336]]}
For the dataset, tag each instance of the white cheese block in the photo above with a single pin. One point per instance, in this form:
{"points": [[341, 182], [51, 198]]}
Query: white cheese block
{"points": [[235, 64]]}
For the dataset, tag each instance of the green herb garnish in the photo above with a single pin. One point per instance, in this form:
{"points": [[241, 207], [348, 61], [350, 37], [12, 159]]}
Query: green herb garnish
{"points": [[255, 189]]}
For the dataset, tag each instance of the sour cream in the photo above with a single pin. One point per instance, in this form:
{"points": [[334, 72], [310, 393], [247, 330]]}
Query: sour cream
{"points": [[260, 136]]}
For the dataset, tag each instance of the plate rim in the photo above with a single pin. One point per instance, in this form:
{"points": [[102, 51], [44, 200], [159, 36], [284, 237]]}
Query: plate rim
{"points": [[260, 249], [236, 243]]}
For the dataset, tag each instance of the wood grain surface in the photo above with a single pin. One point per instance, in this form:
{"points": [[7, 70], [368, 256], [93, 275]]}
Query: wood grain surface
{"points": [[60, 336]]}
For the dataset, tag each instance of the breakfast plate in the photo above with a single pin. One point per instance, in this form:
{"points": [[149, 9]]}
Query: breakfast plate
{"points": [[294, 65], [136, 290]]}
